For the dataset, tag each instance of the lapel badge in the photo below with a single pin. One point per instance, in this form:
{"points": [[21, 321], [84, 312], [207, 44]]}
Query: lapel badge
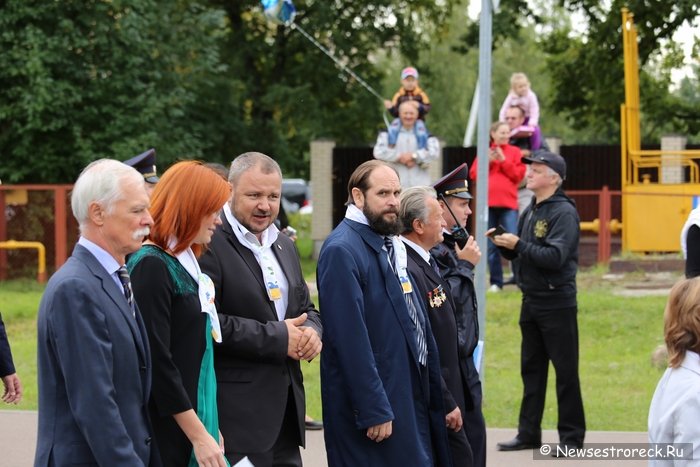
{"points": [[541, 228]]}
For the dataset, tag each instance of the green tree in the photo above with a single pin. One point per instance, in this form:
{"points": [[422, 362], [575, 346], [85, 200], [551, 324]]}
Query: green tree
{"points": [[588, 74], [585, 69], [84, 80], [285, 92]]}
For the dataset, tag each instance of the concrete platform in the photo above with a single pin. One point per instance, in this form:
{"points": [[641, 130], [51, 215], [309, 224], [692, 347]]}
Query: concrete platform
{"points": [[18, 441]]}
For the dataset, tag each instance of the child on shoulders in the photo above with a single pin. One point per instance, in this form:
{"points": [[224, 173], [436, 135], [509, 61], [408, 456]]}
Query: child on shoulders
{"points": [[409, 91], [520, 95]]}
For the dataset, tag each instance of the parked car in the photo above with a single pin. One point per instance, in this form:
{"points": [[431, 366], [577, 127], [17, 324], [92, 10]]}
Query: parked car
{"points": [[296, 194]]}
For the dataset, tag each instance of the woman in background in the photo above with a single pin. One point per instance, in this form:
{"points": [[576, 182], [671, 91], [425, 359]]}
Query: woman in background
{"points": [[506, 171], [177, 304], [675, 407]]}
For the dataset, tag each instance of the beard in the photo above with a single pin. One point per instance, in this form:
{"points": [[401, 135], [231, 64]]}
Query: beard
{"points": [[379, 224]]}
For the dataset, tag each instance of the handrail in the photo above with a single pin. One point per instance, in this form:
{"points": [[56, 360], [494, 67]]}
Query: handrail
{"points": [[657, 158], [41, 253]]}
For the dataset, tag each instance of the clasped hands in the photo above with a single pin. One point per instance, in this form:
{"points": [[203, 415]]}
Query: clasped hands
{"points": [[304, 342], [406, 158]]}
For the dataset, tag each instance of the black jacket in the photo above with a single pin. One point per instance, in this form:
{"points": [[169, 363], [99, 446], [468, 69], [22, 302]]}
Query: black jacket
{"points": [[545, 259], [459, 274]]}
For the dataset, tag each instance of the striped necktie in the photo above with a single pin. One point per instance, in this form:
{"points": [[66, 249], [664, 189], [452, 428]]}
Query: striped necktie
{"points": [[412, 311], [126, 283]]}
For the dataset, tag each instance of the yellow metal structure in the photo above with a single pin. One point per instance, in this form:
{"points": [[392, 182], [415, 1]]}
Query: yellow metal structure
{"points": [[41, 254], [16, 197], [614, 225], [653, 212]]}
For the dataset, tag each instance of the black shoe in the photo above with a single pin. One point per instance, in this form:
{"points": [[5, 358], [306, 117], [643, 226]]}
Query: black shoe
{"points": [[517, 444], [313, 425], [510, 281]]}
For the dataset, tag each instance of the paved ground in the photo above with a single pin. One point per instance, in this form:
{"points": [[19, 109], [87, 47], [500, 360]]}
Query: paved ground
{"points": [[18, 439]]}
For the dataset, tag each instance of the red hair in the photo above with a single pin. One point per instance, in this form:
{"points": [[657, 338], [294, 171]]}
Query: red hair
{"points": [[186, 194]]}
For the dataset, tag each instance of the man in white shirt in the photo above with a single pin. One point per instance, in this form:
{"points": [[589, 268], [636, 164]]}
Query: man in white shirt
{"points": [[268, 323]]}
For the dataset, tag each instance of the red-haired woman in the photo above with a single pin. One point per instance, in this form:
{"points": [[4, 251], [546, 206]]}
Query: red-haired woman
{"points": [[177, 304]]}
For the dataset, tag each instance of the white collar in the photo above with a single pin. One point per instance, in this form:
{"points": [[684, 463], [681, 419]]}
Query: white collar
{"points": [[268, 237], [105, 259], [187, 259], [419, 249], [355, 214], [691, 361]]}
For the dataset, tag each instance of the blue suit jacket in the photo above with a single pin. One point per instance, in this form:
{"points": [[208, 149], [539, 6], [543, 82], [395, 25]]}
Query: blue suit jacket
{"points": [[94, 371], [369, 366]]}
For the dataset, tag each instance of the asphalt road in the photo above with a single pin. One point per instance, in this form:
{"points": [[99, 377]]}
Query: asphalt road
{"points": [[18, 440]]}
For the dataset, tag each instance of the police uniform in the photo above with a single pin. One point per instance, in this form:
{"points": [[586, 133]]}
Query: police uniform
{"points": [[459, 274], [145, 163]]}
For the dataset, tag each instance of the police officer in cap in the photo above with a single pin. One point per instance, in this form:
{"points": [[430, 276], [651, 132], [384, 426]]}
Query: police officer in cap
{"points": [[456, 257], [146, 164]]}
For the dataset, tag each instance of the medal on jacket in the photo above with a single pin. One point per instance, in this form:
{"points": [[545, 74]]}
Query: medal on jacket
{"points": [[437, 297]]}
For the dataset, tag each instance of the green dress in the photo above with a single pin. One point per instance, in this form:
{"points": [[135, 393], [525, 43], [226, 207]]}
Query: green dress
{"points": [[181, 347]]}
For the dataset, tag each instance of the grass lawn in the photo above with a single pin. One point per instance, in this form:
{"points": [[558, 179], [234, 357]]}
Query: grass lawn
{"points": [[617, 336]]}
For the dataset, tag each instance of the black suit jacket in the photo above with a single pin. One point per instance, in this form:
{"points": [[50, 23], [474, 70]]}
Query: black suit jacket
{"points": [[252, 368], [438, 302]]}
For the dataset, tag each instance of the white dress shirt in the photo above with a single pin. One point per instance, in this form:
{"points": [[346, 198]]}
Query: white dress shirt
{"points": [[263, 255]]}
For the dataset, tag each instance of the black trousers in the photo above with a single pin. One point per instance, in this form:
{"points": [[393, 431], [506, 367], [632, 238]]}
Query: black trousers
{"points": [[473, 418], [285, 452], [550, 335]]}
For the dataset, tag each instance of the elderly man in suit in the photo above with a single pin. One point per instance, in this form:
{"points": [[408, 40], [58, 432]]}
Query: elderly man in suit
{"points": [[13, 387], [423, 223], [94, 366], [268, 322], [380, 372]]}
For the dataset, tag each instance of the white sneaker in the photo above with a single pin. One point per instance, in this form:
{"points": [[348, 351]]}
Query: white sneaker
{"points": [[494, 288]]}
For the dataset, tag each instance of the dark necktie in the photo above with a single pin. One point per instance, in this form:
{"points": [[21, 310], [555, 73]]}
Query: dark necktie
{"points": [[412, 312], [434, 265], [126, 283]]}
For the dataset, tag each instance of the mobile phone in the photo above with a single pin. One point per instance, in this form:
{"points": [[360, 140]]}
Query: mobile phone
{"points": [[500, 230]]}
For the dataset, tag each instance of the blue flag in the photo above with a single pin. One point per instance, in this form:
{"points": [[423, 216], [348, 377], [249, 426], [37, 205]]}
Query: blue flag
{"points": [[279, 11]]}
